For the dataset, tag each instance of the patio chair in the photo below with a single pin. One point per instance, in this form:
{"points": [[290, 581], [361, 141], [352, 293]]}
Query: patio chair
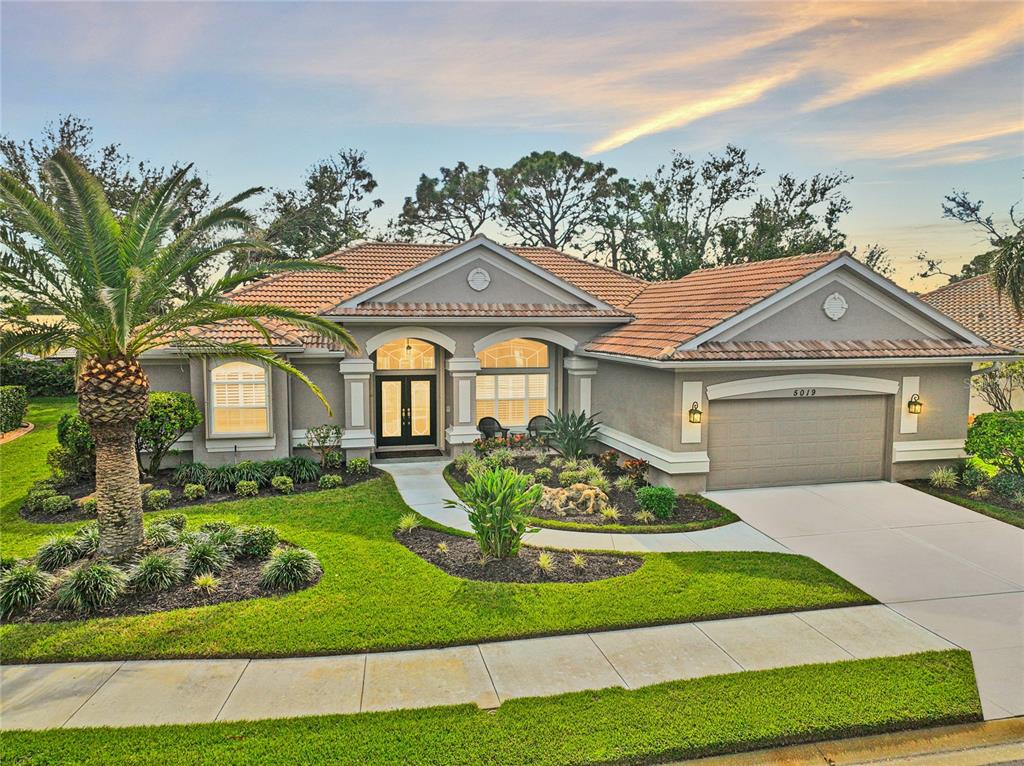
{"points": [[490, 428], [537, 426]]}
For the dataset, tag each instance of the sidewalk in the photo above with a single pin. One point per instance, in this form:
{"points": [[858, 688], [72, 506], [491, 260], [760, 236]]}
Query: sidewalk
{"points": [[424, 489], [151, 692]]}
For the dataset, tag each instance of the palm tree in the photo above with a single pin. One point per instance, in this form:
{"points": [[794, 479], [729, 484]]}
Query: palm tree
{"points": [[1008, 269], [112, 279]]}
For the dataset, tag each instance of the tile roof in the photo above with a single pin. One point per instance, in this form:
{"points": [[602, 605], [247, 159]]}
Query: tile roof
{"points": [[844, 349], [480, 310], [976, 304], [670, 313], [368, 264]]}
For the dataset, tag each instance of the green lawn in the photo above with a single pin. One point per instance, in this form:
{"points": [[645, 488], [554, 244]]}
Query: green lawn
{"points": [[681, 719], [375, 594], [725, 517], [1009, 515]]}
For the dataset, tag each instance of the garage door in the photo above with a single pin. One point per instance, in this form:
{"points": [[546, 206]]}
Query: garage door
{"points": [[773, 442]]}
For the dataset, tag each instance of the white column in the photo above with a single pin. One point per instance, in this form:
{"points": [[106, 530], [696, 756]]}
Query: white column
{"points": [[358, 439], [463, 428], [581, 372]]}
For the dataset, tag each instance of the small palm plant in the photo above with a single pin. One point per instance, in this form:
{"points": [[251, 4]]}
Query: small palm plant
{"points": [[112, 278], [497, 503]]}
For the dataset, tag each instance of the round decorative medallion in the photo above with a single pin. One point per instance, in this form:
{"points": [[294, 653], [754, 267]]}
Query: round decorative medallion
{"points": [[835, 306], [478, 279]]}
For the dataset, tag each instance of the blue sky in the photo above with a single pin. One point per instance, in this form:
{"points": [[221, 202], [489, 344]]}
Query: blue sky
{"points": [[912, 99]]}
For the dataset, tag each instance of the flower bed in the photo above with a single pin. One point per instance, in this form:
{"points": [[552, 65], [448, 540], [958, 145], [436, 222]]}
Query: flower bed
{"points": [[619, 509], [175, 568], [461, 557]]}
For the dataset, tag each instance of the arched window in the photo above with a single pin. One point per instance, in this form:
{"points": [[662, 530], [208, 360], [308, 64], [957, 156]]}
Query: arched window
{"points": [[406, 354], [239, 399], [517, 389]]}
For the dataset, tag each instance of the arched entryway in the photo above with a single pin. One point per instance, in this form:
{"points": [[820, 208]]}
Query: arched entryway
{"points": [[406, 388]]}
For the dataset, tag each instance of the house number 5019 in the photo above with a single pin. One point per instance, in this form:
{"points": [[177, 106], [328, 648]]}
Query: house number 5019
{"points": [[804, 391]]}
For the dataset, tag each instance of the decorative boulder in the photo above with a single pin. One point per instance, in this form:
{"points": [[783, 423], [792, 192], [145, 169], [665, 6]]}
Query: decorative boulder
{"points": [[577, 499]]}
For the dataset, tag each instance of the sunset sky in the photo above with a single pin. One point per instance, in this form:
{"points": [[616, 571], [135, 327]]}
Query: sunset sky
{"points": [[912, 99]]}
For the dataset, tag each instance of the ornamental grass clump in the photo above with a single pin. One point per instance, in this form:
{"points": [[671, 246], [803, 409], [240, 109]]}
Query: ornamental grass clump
{"points": [[943, 478], [408, 522], [88, 538], [290, 569], [58, 552], [203, 557], [162, 534], [22, 587], [257, 542], [191, 473], [91, 587], [498, 504], [545, 563], [223, 478], [205, 583], [156, 572]]}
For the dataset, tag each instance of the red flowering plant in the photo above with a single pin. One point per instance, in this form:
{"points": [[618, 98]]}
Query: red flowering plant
{"points": [[636, 469], [608, 459], [513, 441]]}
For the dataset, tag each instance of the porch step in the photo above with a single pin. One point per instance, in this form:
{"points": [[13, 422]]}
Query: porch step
{"points": [[406, 456]]}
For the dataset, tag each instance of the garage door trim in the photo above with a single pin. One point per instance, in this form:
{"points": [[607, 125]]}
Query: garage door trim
{"points": [[746, 386]]}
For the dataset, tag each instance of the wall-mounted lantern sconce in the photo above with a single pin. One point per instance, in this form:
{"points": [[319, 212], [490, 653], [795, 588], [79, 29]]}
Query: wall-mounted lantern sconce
{"points": [[695, 413], [915, 405]]}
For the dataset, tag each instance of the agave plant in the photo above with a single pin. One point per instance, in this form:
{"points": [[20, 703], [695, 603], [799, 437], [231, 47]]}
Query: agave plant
{"points": [[112, 279], [571, 433]]}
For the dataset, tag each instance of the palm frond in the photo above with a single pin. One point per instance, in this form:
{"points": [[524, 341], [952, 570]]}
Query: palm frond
{"points": [[1008, 271], [32, 337]]}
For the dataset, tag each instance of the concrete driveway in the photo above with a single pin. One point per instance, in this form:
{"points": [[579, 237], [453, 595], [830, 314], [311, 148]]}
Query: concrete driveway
{"points": [[952, 571]]}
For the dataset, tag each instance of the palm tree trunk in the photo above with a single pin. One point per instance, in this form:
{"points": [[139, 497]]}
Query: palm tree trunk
{"points": [[118, 502]]}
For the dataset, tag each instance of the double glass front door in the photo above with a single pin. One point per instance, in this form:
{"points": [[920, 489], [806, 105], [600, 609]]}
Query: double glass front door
{"points": [[406, 410]]}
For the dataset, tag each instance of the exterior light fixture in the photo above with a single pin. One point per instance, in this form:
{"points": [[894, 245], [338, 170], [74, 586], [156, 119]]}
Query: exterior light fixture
{"points": [[695, 413], [915, 405]]}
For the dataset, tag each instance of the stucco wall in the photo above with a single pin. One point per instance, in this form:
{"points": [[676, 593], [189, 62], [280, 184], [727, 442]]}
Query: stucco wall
{"points": [[639, 401], [168, 375], [307, 409]]}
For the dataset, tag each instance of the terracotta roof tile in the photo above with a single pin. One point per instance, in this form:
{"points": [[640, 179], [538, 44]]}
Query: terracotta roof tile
{"points": [[976, 304], [368, 264], [848, 349], [670, 313], [480, 310]]}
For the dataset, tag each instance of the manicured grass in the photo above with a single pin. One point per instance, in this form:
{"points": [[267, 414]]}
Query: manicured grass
{"points": [[1009, 515], [725, 517], [681, 719], [375, 594]]}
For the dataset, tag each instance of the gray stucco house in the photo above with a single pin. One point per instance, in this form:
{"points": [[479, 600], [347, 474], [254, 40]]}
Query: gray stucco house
{"points": [[799, 370]]}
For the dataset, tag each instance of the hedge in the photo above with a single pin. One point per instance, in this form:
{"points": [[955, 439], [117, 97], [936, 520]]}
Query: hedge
{"points": [[40, 377], [13, 403]]}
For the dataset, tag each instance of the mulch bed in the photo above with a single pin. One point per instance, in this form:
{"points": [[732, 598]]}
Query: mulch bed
{"points": [[462, 559], [1000, 501], [689, 508], [178, 500], [239, 582]]}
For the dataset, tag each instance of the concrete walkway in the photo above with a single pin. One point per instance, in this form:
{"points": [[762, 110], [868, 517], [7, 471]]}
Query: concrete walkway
{"points": [[89, 694], [953, 571], [424, 489]]}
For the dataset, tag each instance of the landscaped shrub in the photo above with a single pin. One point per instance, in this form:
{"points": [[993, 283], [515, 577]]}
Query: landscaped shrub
{"points": [[191, 473], [943, 478], [91, 587], [334, 460], [247, 488], [176, 520], [226, 539], [290, 569], [13, 404], [39, 376], [203, 556], [206, 583], [500, 458], [571, 433], [194, 491], [323, 440], [998, 438], [661, 501], [156, 572], [162, 534], [88, 537], [463, 460], [77, 459], [608, 459], [972, 477], [7, 562], [215, 526], [497, 503], [302, 470], [249, 470], [283, 484], [644, 517], [22, 587], [579, 472], [625, 484], [223, 478], [542, 474], [156, 499], [331, 481], [1007, 484], [89, 505], [257, 541], [169, 416], [57, 504], [59, 551], [358, 466], [636, 469], [407, 522], [37, 493]]}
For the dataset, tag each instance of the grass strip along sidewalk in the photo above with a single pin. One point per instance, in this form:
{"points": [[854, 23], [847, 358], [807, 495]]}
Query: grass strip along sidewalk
{"points": [[681, 719]]}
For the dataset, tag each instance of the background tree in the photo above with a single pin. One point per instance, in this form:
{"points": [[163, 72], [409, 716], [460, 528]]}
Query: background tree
{"points": [[997, 382], [330, 210], [452, 208], [619, 237], [105, 273], [548, 199], [795, 218], [123, 178], [877, 258]]}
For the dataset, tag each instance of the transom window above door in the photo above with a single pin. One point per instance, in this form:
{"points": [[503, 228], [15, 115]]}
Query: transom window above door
{"points": [[515, 353], [406, 354]]}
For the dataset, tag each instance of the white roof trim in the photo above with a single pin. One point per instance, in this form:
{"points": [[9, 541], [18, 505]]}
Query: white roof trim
{"points": [[740, 364], [533, 333], [422, 333], [455, 252], [848, 262], [807, 380]]}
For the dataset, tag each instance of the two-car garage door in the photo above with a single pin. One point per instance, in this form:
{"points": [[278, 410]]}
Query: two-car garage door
{"points": [[779, 441]]}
